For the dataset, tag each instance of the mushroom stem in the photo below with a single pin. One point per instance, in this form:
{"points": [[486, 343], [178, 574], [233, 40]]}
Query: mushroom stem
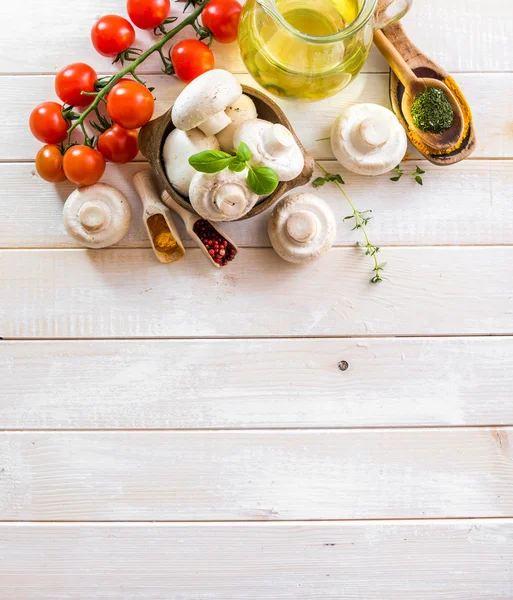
{"points": [[302, 226], [230, 200], [374, 132], [215, 123], [93, 216], [277, 139]]}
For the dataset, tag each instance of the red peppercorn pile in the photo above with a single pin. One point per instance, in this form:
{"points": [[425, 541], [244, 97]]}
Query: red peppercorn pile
{"points": [[219, 248]]}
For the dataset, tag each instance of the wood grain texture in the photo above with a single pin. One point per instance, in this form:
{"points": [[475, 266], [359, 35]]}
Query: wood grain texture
{"points": [[480, 44], [471, 212], [256, 475], [255, 383], [127, 293], [488, 95], [408, 560]]}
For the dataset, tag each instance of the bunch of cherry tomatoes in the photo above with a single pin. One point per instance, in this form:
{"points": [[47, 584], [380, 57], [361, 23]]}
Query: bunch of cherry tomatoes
{"points": [[129, 103]]}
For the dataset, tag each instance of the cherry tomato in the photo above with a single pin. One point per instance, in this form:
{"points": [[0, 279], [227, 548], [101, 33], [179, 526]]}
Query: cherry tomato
{"points": [[112, 35], [130, 104], [49, 164], [83, 165], [47, 123], [148, 14], [222, 18], [74, 79], [119, 145], [191, 58]]}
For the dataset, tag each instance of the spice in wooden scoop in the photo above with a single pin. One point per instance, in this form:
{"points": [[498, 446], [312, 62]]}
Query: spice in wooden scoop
{"points": [[431, 111], [161, 234]]}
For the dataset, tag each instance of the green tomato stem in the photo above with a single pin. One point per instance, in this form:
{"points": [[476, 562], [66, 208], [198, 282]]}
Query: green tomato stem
{"points": [[157, 47]]}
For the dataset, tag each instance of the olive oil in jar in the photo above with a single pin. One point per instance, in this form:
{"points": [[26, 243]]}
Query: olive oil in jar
{"points": [[288, 45]]}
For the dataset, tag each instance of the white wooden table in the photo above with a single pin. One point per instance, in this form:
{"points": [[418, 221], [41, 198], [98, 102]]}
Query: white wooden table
{"points": [[178, 432]]}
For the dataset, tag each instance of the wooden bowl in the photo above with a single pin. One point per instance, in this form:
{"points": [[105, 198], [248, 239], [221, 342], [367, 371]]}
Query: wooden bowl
{"points": [[153, 135]]}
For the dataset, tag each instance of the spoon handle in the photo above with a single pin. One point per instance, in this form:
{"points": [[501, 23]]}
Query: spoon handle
{"points": [[188, 218], [403, 71]]}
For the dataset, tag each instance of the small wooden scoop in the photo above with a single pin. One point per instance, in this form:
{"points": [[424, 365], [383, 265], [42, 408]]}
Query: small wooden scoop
{"points": [[157, 219], [190, 221], [413, 86]]}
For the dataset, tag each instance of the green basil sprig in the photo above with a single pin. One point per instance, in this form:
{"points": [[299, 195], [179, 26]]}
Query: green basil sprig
{"points": [[260, 180]]}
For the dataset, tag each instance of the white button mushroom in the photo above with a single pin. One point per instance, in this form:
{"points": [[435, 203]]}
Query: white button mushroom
{"points": [[178, 148], [302, 227], [223, 196], [368, 139], [203, 102], [240, 111], [272, 145], [97, 216]]}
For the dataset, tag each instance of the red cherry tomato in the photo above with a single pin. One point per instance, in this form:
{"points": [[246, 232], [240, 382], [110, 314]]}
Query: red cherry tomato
{"points": [[119, 145], [83, 165], [148, 14], [112, 35], [191, 58], [130, 104], [222, 18], [74, 79], [47, 123], [49, 164]]}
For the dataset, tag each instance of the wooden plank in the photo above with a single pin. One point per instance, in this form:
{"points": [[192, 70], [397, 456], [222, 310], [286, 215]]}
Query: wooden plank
{"points": [[407, 560], [481, 42], [471, 211], [256, 383], [127, 293], [488, 95], [256, 475]]}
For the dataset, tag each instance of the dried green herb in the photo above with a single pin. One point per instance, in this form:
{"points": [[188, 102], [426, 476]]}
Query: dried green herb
{"points": [[431, 111]]}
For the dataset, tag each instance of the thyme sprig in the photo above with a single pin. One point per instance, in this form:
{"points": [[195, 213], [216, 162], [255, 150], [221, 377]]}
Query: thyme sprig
{"points": [[415, 174], [361, 219]]}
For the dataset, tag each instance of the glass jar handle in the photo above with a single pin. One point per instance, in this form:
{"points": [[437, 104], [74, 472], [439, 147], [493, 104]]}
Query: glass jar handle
{"points": [[390, 11]]}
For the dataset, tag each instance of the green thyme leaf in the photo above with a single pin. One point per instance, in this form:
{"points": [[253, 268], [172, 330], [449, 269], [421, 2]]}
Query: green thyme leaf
{"points": [[320, 181], [262, 180], [418, 179], [243, 152], [210, 161], [395, 178]]}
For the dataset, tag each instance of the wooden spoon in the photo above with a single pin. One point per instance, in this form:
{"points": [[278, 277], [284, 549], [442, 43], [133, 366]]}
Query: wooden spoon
{"points": [[413, 86], [153, 213], [190, 220]]}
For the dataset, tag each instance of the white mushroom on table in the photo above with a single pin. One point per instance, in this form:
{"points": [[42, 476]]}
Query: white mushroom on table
{"points": [[302, 227], [97, 216], [368, 139]]}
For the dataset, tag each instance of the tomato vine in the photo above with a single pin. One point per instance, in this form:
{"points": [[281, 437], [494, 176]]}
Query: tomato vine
{"points": [[107, 83]]}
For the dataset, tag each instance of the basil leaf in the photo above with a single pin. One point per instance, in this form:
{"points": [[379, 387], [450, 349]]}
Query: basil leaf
{"points": [[243, 152], [262, 180], [236, 165], [210, 161]]}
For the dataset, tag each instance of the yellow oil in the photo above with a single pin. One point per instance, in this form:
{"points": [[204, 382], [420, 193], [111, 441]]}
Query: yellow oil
{"points": [[300, 60]]}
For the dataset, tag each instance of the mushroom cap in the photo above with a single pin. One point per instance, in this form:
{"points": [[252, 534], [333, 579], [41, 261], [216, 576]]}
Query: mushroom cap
{"points": [[272, 145], [240, 111], [204, 97], [302, 227], [97, 216], [178, 148], [222, 196], [368, 139]]}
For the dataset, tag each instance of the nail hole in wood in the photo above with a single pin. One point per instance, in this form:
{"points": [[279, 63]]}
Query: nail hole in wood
{"points": [[343, 365]]}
